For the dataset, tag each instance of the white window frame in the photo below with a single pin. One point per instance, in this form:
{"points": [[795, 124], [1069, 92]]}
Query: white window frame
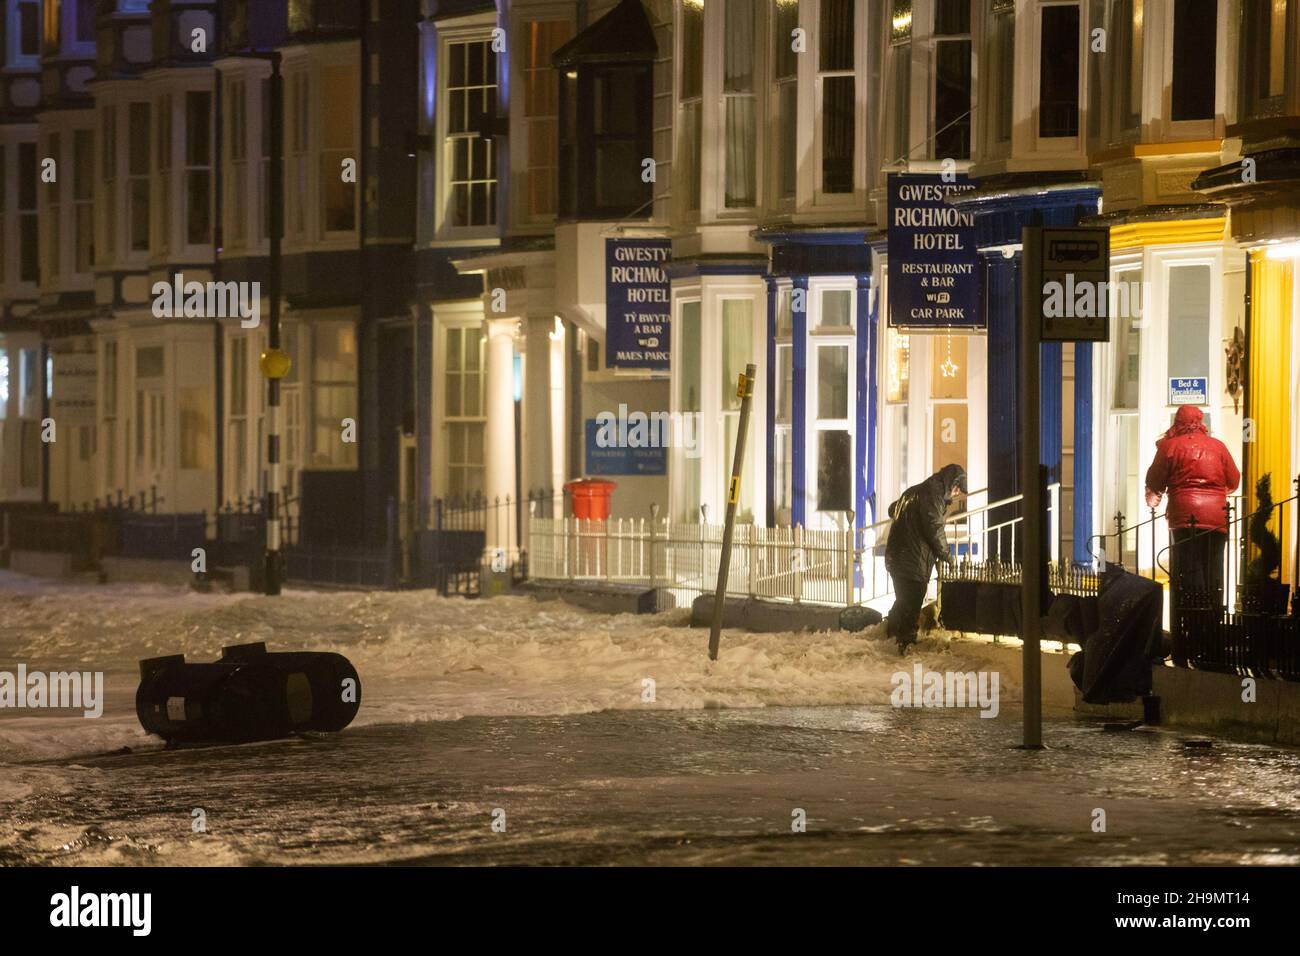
{"points": [[454, 316], [812, 196], [1054, 151], [462, 30], [680, 168], [779, 204], [1167, 128], [836, 337], [682, 295], [520, 123], [713, 189], [782, 426], [711, 433]]}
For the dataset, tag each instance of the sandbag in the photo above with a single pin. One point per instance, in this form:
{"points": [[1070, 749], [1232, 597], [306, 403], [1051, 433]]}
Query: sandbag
{"points": [[1115, 663]]}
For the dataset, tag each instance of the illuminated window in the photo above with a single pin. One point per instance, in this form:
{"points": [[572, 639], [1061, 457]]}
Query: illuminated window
{"points": [[691, 103], [898, 369], [334, 392], [740, 105], [338, 142], [470, 93], [785, 96], [541, 116]]}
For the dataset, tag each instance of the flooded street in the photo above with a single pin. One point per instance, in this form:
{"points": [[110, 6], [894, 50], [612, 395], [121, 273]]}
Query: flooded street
{"points": [[533, 717]]}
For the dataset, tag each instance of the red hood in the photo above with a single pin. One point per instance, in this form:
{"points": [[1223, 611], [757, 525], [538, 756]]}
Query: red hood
{"points": [[1188, 419]]}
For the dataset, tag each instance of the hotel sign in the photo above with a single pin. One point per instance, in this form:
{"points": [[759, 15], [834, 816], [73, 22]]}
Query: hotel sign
{"points": [[934, 279], [637, 304]]}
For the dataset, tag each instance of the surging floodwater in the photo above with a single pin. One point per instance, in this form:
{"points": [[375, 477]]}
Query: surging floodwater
{"points": [[510, 731]]}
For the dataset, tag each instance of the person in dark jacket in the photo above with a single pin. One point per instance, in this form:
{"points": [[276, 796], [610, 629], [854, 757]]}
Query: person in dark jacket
{"points": [[1198, 473], [916, 542]]}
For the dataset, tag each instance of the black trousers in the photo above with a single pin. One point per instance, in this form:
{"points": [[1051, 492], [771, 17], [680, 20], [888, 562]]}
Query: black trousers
{"points": [[1196, 569], [909, 595]]}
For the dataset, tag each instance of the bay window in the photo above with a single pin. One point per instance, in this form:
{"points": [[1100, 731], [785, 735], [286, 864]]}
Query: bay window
{"points": [[1126, 37], [1267, 54], [108, 175], [470, 90], [83, 200], [928, 80], [236, 216], [952, 79], [831, 372], [687, 340], [541, 118], [138, 177], [737, 352], [164, 172], [690, 99], [338, 199], [783, 382], [53, 220], [198, 167], [898, 103], [1058, 72], [1000, 42], [785, 97], [837, 91], [740, 104], [1196, 24], [28, 233]]}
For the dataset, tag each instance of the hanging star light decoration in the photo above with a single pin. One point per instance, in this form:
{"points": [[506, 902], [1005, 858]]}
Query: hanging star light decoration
{"points": [[949, 367]]}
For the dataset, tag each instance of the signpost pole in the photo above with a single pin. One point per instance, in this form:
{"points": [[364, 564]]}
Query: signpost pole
{"points": [[745, 392], [1031, 506], [1064, 298]]}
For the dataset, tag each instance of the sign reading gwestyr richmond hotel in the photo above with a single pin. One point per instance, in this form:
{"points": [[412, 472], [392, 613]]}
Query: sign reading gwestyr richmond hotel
{"points": [[637, 304], [934, 282]]}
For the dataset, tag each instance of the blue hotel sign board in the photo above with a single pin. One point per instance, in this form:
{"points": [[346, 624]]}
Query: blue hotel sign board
{"points": [[637, 304], [934, 279], [1189, 391], [621, 458]]}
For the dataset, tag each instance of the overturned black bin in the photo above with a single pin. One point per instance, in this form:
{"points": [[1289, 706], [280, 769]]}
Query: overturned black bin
{"points": [[249, 694]]}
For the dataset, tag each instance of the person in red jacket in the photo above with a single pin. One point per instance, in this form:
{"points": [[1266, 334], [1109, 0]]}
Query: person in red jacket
{"points": [[1198, 473]]}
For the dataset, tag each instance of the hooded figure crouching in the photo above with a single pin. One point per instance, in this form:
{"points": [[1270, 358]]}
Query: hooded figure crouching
{"points": [[916, 542]]}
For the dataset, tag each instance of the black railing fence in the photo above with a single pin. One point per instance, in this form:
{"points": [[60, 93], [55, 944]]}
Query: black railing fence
{"points": [[1232, 598], [449, 543]]}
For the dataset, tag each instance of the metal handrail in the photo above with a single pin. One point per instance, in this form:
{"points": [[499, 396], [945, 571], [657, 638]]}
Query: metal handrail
{"points": [[1197, 532]]}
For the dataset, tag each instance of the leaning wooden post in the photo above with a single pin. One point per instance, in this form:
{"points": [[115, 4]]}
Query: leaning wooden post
{"points": [[745, 392]]}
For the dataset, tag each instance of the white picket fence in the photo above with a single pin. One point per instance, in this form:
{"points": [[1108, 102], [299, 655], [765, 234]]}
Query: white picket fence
{"points": [[795, 564]]}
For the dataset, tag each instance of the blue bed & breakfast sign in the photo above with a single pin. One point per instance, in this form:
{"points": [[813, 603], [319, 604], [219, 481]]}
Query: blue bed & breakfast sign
{"points": [[1189, 391]]}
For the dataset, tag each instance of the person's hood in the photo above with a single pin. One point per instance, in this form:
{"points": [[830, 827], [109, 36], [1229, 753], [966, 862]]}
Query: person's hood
{"points": [[1187, 420], [950, 475]]}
